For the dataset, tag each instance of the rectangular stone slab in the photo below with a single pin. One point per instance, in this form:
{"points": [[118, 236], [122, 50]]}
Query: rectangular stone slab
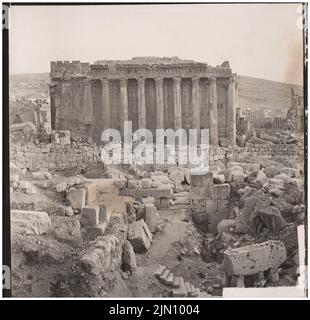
{"points": [[254, 258]]}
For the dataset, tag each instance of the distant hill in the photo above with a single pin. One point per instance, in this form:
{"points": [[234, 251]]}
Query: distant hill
{"points": [[265, 94], [253, 93]]}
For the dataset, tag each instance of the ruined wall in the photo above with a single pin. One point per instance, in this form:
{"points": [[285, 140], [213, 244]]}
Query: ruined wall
{"points": [[71, 103], [53, 156]]}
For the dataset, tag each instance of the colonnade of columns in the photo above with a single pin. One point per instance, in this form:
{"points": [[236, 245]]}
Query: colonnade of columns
{"points": [[231, 108]]}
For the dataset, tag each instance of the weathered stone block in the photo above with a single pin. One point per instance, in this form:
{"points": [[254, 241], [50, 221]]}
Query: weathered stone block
{"points": [[29, 222], [150, 217], [128, 257], [96, 231], [214, 219], [223, 205], [76, 198], [201, 192], [211, 206], [133, 184], [226, 225], [139, 236], [146, 183], [164, 203], [254, 258], [202, 179], [221, 191], [90, 216], [101, 190]]}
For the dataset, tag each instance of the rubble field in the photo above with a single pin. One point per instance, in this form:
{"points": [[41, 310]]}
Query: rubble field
{"points": [[81, 228]]}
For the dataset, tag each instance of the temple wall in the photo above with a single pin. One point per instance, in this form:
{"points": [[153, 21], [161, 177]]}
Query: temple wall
{"points": [[71, 103]]}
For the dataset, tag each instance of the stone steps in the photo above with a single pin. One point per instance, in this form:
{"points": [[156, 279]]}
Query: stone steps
{"points": [[180, 288]]}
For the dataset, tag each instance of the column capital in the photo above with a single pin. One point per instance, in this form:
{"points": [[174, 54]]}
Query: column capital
{"points": [[212, 79], [123, 81], [141, 79], [177, 80], [195, 80], [232, 79], [159, 79], [105, 80]]}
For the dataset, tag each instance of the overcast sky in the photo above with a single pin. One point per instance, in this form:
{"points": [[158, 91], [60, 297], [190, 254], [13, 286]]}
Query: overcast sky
{"points": [[259, 40]]}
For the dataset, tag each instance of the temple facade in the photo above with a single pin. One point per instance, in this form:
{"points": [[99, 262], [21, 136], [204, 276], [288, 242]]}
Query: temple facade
{"points": [[149, 91]]}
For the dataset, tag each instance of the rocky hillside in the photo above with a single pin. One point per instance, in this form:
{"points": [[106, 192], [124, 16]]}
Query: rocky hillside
{"points": [[265, 94]]}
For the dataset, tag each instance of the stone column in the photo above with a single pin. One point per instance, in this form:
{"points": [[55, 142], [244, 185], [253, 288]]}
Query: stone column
{"points": [[196, 103], [231, 111], [105, 103], [159, 103], [177, 103], [141, 103], [124, 100], [213, 112]]}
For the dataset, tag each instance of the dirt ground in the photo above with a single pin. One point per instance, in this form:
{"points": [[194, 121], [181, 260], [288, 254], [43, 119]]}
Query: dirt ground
{"points": [[173, 247]]}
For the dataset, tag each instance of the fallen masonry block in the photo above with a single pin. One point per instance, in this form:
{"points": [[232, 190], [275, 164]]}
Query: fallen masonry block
{"points": [[139, 236], [90, 216], [164, 203], [254, 258], [226, 225], [26, 127], [219, 178], [101, 190], [188, 288], [169, 279], [211, 205], [76, 198], [221, 191], [29, 222], [198, 180], [95, 231], [159, 271], [164, 275], [150, 216], [157, 193], [176, 282], [223, 205], [128, 257], [104, 254], [181, 290]]}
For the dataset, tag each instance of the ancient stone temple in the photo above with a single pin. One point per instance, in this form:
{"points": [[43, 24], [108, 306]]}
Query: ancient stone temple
{"points": [[149, 91]]}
